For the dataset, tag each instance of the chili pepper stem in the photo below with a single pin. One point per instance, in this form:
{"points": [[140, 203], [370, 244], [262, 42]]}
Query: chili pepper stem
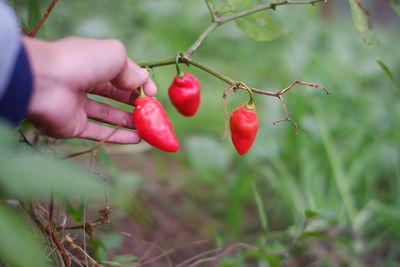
{"points": [[179, 72], [141, 92], [250, 104]]}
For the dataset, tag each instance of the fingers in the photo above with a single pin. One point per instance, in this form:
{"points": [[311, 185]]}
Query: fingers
{"points": [[85, 63], [97, 132], [130, 77], [108, 114], [149, 87], [108, 90]]}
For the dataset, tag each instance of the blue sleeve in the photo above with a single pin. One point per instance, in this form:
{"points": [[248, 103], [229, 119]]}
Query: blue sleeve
{"points": [[15, 73], [15, 100]]}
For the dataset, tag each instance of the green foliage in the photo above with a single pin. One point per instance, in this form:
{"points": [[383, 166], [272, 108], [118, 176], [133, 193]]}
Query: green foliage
{"points": [[361, 21], [18, 240], [260, 27], [395, 4], [340, 172]]}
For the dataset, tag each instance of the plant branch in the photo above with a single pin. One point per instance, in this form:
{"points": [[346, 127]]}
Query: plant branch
{"points": [[202, 37], [266, 6], [185, 58], [219, 20], [53, 236], [102, 219], [34, 31], [211, 10]]}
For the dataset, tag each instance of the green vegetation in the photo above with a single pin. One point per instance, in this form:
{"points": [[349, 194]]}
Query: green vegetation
{"points": [[340, 176]]}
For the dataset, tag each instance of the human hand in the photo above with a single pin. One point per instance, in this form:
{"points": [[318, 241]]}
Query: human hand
{"points": [[65, 71]]}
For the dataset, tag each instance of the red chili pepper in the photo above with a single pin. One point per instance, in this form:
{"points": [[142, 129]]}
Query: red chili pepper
{"points": [[184, 93], [153, 124], [244, 126]]}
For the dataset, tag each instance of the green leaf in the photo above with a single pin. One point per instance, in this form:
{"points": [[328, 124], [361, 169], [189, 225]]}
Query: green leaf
{"points": [[221, 6], [33, 13], [19, 246], [387, 71], [78, 212], [111, 240], [260, 27], [361, 21], [111, 264], [8, 136], [124, 258], [311, 214], [323, 236], [261, 209], [26, 174], [395, 4]]}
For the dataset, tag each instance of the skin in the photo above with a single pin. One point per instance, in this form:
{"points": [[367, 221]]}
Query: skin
{"points": [[66, 71]]}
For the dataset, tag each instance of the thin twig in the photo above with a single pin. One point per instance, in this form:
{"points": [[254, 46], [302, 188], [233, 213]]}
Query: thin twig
{"points": [[53, 236], [102, 219], [171, 250], [76, 246], [34, 31], [219, 20], [97, 146], [211, 10], [220, 252]]}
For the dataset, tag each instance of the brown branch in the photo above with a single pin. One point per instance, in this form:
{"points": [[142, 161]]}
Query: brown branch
{"points": [[76, 246], [34, 31], [102, 219], [53, 235], [98, 145], [287, 118]]}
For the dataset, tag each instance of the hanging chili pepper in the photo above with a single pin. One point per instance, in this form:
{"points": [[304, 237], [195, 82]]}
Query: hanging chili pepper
{"points": [[153, 124], [244, 124], [184, 93]]}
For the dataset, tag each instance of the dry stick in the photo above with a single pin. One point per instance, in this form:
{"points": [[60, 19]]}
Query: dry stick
{"points": [[34, 31], [147, 242], [171, 250], [98, 145], [75, 246], [54, 237], [103, 219]]}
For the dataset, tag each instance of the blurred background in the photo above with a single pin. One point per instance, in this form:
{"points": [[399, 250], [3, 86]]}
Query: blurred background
{"points": [[339, 175]]}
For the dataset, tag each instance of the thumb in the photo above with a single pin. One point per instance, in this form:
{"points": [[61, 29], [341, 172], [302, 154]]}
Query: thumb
{"points": [[130, 77]]}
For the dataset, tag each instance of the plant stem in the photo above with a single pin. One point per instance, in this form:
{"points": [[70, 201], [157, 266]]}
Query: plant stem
{"points": [[202, 36], [189, 61], [217, 21], [34, 31]]}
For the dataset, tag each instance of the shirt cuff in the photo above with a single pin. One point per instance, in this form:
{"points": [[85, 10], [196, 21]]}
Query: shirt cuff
{"points": [[14, 103]]}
